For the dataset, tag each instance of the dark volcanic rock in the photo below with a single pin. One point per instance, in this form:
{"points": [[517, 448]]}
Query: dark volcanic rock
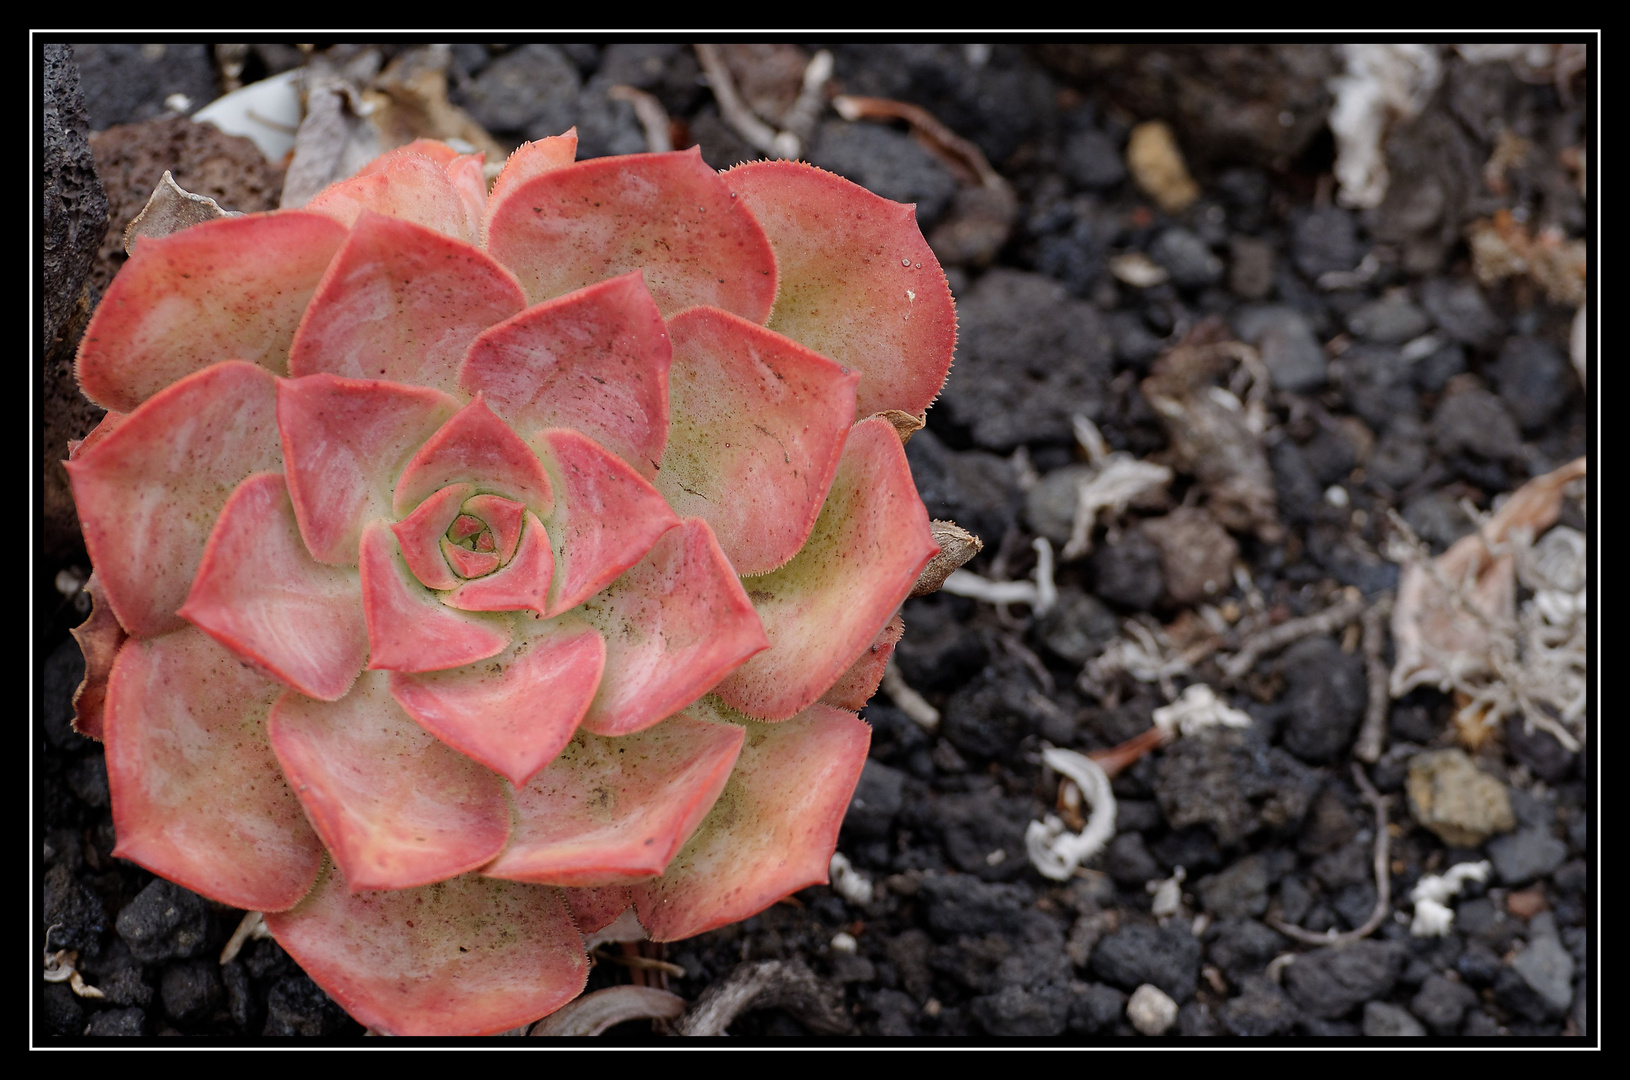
{"points": [[1029, 356], [1533, 380], [1261, 1009], [1325, 698], [1229, 780], [164, 922], [962, 904], [887, 163], [1327, 983], [75, 912], [297, 1006], [972, 488], [875, 802], [1167, 956]]}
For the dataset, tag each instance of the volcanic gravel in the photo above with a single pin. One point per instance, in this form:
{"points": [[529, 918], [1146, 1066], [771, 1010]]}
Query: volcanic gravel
{"points": [[962, 936]]}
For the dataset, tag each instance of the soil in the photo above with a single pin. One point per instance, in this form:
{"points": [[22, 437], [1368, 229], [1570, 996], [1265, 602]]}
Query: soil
{"points": [[962, 936]]}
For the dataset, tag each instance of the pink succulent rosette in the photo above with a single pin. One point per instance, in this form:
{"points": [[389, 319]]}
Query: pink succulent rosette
{"points": [[472, 567]]}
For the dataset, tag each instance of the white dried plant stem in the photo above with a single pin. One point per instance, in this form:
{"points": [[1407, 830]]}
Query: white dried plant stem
{"points": [[1433, 916], [1056, 852], [848, 882], [908, 700], [742, 120], [625, 927], [252, 925], [1198, 709], [593, 1014], [649, 112]]}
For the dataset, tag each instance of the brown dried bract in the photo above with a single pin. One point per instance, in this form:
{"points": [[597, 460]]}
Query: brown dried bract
{"points": [[100, 637], [957, 546], [1210, 439]]}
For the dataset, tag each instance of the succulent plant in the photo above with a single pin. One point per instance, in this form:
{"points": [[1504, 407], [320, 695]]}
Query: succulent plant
{"points": [[471, 567]]}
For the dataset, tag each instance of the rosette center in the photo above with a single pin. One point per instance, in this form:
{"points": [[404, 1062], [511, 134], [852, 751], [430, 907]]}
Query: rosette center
{"points": [[483, 536]]}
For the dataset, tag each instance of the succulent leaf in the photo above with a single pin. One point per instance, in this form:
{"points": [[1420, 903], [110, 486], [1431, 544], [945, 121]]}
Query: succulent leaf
{"points": [[401, 302], [606, 516], [666, 214], [529, 160], [856, 686], [470, 956], [520, 585], [409, 628], [197, 793], [595, 360], [475, 447], [857, 281], [758, 424], [515, 711], [824, 609], [394, 806], [404, 184], [598, 906], [674, 625], [772, 830], [259, 593], [346, 441], [609, 811], [232, 289], [149, 493]]}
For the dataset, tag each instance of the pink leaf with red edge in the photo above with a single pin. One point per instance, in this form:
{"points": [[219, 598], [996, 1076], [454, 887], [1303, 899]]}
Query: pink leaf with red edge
{"points": [[394, 806], [467, 172], [503, 516], [529, 160], [472, 956], [228, 289], [606, 516], [422, 533], [100, 637], [858, 281], [476, 447], [410, 629], [523, 585], [856, 686], [823, 609], [106, 426], [473, 564], [197, 794], [259, 593], [514, 712], [615, 810], [405, 185], [149, 493], [434, 149], [597, 907], [758, 425], [346, 442], [771, 833], [668, 214], [674, 625], [401, 302], [595, 360]]}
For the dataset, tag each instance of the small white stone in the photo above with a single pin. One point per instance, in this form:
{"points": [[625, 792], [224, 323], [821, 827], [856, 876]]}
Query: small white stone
{"points": [[1151, 1011], [1336, 495], [843, 942]]}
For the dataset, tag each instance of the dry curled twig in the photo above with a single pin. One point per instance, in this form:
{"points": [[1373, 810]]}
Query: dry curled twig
{"points": [[783, 984], [593, 1014], [1383, 878], [1332, 618], [1367, 748]]}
